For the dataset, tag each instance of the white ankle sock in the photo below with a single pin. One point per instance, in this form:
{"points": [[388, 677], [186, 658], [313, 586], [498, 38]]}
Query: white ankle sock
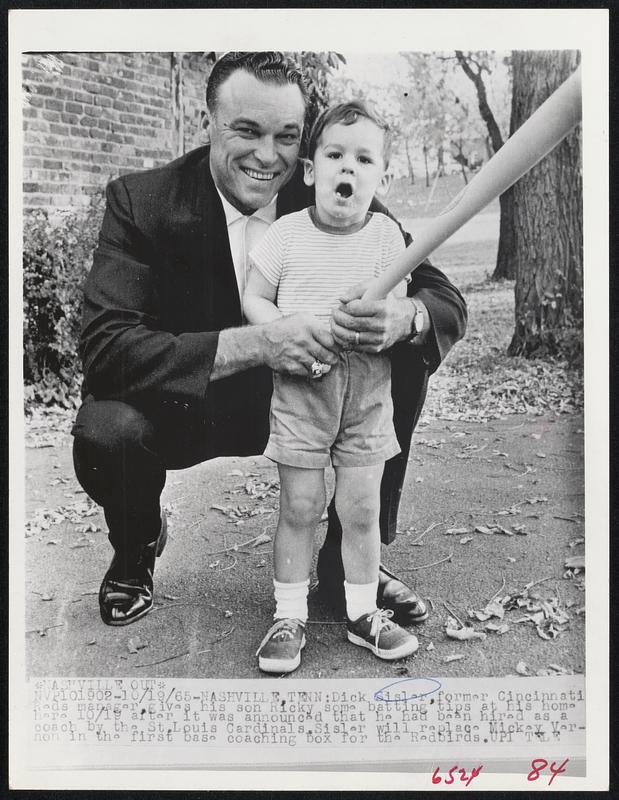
{"points": [[291, 600], [360, 598]]}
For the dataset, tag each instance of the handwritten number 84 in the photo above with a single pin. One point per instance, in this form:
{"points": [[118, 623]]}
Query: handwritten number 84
{"points": [[540, 764]]}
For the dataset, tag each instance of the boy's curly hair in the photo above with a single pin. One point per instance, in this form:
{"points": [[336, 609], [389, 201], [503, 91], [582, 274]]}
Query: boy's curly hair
{"points": [[347, 114]]}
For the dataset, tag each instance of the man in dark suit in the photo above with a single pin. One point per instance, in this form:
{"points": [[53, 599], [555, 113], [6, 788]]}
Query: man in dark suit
{"points": [[171, 375]]}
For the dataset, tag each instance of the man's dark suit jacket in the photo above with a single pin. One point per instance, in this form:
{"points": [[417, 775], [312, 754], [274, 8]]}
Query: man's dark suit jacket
{"points": [[163, 285]]}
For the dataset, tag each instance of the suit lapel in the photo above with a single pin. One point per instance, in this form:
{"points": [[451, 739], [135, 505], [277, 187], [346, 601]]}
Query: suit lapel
{"points": [[211, 257]]}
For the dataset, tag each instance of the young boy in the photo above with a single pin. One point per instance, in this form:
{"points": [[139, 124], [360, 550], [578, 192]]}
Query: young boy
{"points": [[342, 415]]}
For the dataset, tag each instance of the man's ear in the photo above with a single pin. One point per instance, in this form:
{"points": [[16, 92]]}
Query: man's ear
{"points": [[308, 171], [204, 126], [385, 184]]}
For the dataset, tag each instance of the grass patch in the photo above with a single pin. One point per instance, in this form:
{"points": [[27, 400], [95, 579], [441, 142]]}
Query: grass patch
{"points": [[406, 200]]}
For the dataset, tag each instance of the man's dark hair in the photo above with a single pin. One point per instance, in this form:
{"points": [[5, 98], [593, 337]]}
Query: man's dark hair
{"points": [[269, 67], [348, 114]]}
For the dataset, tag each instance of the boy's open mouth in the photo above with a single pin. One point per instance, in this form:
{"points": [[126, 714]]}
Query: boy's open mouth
{"points": [[343, 190]]}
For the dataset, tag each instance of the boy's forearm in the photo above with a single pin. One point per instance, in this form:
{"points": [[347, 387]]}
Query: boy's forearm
{"points": [[258, 309]]}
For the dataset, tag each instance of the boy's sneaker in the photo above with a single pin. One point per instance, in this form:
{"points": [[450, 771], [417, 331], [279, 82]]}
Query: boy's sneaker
{"points": [[280, 650], [381, 635]]}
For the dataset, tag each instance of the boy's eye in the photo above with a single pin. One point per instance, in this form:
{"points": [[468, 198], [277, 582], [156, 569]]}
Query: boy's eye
{"points": [[365, 160], [334, 155]]}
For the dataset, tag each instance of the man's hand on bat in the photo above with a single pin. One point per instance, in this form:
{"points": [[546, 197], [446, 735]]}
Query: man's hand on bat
{"points": [[371, 326]]}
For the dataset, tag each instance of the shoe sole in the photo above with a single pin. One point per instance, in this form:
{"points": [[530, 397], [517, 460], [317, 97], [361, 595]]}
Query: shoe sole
{"points": [[406, 649], [281, 665]]}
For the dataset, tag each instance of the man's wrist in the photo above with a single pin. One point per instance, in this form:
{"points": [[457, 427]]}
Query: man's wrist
{"points": [[239, 349], [419, 320]]}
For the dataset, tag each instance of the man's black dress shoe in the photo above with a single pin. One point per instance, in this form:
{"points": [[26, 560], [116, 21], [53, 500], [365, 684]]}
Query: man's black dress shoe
{"points": [[408, 608], [126, 593]]}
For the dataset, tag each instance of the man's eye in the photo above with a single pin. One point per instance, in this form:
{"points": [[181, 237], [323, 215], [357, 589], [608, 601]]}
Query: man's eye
{"points": [[289, 138], [246, 131]]}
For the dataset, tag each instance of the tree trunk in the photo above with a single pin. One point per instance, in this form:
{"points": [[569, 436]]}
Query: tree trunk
{"points": [[411, 171], [425, 158], [505, 263], [440, 162], [547, 221]]}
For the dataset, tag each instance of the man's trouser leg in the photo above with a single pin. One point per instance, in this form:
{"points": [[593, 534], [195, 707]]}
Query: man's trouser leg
{"points": [[117, 464]]}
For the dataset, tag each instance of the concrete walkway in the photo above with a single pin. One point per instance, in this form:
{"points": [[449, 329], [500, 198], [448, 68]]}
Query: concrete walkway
{"points": [[214, 603]]}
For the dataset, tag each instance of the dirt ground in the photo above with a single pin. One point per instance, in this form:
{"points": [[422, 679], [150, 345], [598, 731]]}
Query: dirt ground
{"points": [[487, 509]]}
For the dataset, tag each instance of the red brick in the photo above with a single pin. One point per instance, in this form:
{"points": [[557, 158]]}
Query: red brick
{"points": [[35, 101], [74, 108], [36, 125], [50, 116]]}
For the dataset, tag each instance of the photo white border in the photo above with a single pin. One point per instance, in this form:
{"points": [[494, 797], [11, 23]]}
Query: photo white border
{"points": [[372, 30]]}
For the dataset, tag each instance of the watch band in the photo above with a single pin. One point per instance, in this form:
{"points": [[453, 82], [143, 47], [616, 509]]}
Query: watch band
{"points": [[418, 320]]}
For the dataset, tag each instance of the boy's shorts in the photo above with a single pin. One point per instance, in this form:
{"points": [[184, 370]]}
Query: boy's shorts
{"points": [[344, 418]]}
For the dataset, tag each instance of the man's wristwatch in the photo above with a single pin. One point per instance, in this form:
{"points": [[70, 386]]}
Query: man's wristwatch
{"points": [[418, 320]]}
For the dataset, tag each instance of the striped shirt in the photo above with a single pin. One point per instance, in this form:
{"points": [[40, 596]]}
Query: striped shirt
{"points": [[312, 268]]}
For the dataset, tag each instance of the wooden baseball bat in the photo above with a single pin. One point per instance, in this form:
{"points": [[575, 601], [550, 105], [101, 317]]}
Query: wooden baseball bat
{"points": [[543, 131]]}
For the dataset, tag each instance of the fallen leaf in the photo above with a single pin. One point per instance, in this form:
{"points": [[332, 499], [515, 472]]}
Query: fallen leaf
{"points": [[262, 539], [135, 645], [92, 641], [575, 562], [576, 542], [521, 668], [457, 531], [466, 540], [228, 614], [449, 659], [170, 597], [430, 646], [482, 529], [495, 609], [499, 629], [464, 634]]}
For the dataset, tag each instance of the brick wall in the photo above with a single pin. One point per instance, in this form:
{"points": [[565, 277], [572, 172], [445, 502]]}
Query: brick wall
{"points": [[89, 117]]}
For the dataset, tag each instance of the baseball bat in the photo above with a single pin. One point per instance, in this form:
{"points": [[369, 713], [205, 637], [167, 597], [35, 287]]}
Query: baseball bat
{"points": [[535, 138]]}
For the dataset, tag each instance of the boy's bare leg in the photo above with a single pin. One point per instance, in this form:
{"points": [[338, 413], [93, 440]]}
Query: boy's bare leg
{"points": [[302, 501], [301, 505], [357, 499]]}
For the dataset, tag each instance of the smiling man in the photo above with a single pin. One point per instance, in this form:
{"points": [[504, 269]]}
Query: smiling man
{"points": [[173, 377]]}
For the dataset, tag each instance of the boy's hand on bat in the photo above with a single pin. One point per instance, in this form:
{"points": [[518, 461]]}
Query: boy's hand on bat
{"points": [[371, 326]]}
